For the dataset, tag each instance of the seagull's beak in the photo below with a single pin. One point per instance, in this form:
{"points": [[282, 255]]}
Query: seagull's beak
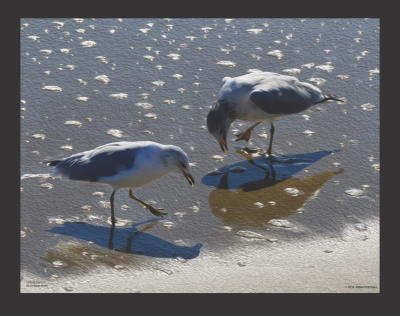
{"points": [[189, 178], [223, 144]]}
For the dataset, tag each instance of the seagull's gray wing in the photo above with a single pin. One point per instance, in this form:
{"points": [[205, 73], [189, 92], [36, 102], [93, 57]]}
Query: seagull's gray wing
{"points": [[103, 161], [284, 96]]}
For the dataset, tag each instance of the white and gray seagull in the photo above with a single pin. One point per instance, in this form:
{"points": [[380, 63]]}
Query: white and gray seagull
{"points": [[124, 165], [260, 97]]}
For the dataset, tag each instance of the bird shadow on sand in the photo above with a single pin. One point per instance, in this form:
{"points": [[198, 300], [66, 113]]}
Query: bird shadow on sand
{"points": [[128, 240], [267, 181]]}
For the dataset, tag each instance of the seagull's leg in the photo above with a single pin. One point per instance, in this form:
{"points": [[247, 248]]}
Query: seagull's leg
{"points": [[110, 243], [247, 133], [112, 206], [223, 183], [272, 130], [154, 211]]}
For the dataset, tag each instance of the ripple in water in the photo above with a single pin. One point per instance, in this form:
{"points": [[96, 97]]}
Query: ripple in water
{"points": [[292, 71], [317, 80], [281, 223], [169, 101], [308, 133], [327, 68], [119, 96], [39, 136], [275, 53], [249, 234], [151, 115], [355, 192], [226, 63], [374, 71], [144, 95], [360, 227], [88, 43], [168, 224], [255, 31], [33, 37], [228, 228], [293, 191], [75, 123], [115, 132], [52, 88], [32, 175], [206, 29], [174, 56], [309, 65], [46, 51], [368, 107], [59, 264], [259, 204], [102, 78], [158, 83], [144, 105]]}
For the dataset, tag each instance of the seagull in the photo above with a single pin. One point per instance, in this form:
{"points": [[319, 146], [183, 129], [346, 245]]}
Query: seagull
{"points": [[124, 165], [260, 97]]}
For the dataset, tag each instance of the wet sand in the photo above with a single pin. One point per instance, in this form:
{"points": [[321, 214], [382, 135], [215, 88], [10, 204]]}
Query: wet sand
{"points": [[352, 266], [331, 239]]}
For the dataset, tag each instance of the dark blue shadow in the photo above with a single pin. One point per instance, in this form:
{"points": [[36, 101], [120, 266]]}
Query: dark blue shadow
{"points": [[127, 240], [280, 167]]}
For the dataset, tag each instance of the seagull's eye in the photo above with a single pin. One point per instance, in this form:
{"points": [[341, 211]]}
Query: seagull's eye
{"points": [[183, 165]]}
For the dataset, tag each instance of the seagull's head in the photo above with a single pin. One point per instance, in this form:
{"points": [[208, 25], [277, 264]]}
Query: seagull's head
{"points": [[176, 161], [219, 120]]}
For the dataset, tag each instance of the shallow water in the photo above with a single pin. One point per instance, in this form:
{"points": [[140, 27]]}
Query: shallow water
{"points": [[181, 81]]}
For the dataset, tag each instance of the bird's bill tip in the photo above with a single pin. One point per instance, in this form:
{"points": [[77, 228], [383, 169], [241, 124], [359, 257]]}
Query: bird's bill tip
{"points": [[223, 147], [189, 177]]}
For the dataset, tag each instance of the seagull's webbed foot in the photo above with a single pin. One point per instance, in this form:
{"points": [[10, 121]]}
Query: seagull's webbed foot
{"points": [[247, 133], [244, 135], [156, 211], [153, 210]]}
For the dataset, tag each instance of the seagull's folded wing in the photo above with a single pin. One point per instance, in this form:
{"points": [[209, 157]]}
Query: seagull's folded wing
{"points": [[282, 97], [103, 161]]}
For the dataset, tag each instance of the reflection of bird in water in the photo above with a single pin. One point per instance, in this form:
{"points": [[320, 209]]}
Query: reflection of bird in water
{"points": [[237, 208], [125, 165], [111, 246], [260, 97]]}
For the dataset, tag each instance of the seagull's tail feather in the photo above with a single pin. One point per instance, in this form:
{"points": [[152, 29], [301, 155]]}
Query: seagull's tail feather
{"points": [[332, 97], [53, 162]]}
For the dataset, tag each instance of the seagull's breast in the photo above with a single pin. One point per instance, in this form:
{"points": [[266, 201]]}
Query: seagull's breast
{"points": [[251, 113]]}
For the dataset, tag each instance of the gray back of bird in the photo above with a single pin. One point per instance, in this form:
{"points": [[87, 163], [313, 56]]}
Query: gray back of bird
{"points": [[271, 92]]}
